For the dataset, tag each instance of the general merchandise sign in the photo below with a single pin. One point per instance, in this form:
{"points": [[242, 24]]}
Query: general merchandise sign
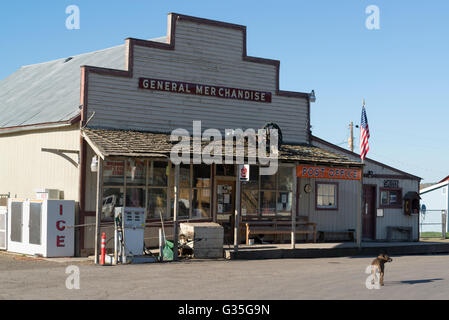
{"points": [[204, 90]]}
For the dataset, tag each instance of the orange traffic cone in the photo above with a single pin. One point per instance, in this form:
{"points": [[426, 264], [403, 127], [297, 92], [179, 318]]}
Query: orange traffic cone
{"points": [[103, 249]]}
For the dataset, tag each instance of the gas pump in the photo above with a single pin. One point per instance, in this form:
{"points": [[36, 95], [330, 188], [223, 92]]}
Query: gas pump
{"points": [[128, 234]]}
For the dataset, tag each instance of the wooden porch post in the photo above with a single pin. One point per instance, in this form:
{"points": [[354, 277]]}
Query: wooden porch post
{"points": [[99, 208], [295, 180], [175, 214], [237, 210]]}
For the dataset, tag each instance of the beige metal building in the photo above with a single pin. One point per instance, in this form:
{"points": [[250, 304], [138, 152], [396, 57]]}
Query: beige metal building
{"points": [[121, 104]]}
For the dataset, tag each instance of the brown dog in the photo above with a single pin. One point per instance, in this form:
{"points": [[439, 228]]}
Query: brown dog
{"points": [[378, 265]]}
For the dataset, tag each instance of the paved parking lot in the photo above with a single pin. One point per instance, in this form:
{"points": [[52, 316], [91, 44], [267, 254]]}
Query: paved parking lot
{"points": [[407, 277]]}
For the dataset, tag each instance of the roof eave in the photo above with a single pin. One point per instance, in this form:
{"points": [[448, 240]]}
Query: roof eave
{"points": [[411, 176], [434, 187], [41, 126]]}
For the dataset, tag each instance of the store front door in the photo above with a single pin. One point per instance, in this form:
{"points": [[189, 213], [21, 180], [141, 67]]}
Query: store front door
{"points": [[225, 204]]}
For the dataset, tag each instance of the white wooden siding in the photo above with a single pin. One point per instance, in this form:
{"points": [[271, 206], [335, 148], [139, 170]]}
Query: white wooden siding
{"points": [[206, 55], [331, 220], [395, 217], [392, 217]]}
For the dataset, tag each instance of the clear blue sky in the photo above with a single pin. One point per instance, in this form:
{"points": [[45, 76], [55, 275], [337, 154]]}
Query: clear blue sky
{"points": [[402, 70]]}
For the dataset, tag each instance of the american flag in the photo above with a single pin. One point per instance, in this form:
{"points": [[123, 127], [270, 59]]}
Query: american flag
{"points": [[364, 135]]}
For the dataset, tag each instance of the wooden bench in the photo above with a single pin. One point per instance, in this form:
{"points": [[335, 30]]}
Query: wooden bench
{"points": [[280, 227], [407, 230], [325, 236]]}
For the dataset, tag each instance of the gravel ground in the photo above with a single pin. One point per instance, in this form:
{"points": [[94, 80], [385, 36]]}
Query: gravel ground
{"points": [[407, 277]]}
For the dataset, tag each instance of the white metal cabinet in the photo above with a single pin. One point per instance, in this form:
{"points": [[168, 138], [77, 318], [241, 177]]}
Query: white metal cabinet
{"points": [[3, 228], [43, 227]]}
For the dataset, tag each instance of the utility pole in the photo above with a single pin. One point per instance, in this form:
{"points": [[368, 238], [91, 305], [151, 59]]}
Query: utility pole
{"points": [[351, 137]]}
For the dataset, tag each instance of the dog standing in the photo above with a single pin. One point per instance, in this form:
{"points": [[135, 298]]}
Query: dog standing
{"points": [[378, 266]]}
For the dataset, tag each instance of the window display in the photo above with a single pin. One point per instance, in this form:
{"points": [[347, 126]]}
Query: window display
{"points": [[113, 173]]}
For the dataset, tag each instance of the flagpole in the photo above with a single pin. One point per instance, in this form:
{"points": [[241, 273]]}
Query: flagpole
{"points": [[360, 209], [360, 201]]}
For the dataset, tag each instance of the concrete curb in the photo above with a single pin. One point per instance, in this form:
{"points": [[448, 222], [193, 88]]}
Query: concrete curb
{"points": [[337, 252]]}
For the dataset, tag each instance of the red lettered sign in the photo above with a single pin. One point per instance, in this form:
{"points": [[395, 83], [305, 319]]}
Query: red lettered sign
{"points": [[60, 239], [313, 172]]}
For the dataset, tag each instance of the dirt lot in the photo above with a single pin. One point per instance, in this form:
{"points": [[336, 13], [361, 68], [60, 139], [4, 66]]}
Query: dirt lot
{"points": [[407, 277]]}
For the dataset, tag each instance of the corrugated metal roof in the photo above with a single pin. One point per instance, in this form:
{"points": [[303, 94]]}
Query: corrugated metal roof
{"points": [[50, 91]]}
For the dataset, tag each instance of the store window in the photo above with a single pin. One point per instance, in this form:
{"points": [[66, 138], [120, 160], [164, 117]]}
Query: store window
{"points": [[112, 197], [194, 191], [390, 198], [136, 173], [326, 196], [114, 188], [184, 191], [267, 203], [158, 172], [113, 173], [157, 190], [227, 170], [250, 193], [284, 191], [135, 183], [201, 191], [157, 203], [268, 182], [149, 184], [135, 197], [268, 195], [143, 183]]}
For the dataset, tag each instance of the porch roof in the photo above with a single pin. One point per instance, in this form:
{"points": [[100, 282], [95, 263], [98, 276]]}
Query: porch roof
{"points": [[119, 143]]}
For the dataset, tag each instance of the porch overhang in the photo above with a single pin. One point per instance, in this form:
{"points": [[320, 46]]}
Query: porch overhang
{"points": [[108, 143]]}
